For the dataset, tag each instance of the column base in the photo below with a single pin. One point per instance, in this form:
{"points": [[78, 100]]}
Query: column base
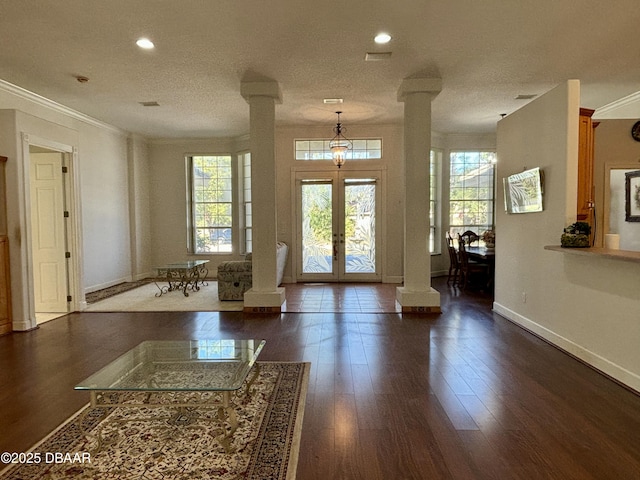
{"points": [[418, 301], [264, 302]]}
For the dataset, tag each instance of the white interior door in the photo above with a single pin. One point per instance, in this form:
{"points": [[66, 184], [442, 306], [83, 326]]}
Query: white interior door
{"points": [[337, 234], [48, 232]]}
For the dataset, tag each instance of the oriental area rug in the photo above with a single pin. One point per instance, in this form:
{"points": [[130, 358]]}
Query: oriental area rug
{"points": [[138, 443]]}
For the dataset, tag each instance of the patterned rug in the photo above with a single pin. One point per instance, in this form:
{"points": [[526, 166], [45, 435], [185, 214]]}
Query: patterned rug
{"points": [[139, 443], [108, 292]]}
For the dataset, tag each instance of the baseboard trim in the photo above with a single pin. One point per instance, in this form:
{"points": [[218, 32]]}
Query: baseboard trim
{"points": [[603, 365], [23, 326], [143, 276]]}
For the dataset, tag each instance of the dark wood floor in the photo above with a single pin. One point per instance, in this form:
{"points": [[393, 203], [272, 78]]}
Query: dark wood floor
{"points": [[461, 395]]}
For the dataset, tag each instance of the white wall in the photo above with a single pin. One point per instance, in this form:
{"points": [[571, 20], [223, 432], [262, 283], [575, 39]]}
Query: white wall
{"points": [[102, 155], [102, 171], [587, 306], [615, 151], [140, 207], [168, 196]]}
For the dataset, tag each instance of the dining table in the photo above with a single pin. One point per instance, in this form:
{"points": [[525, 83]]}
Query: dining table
{"points": [[483, 254]]}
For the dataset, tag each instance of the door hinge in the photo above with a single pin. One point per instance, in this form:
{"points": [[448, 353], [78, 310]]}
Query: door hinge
{"points": [[67, 254], [66, 214], [68, 298], [65, 170]]}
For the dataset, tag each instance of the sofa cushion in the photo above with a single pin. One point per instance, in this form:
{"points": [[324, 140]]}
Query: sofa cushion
{"points": [[282, 249], [234, 266], [235, 276]]}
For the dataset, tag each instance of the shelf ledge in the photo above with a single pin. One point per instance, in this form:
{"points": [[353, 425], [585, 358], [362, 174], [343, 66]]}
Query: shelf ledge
{"points": [[624, 255]]}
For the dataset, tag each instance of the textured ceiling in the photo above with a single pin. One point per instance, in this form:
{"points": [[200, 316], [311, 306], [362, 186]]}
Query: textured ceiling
{"points": [[486, 52]]}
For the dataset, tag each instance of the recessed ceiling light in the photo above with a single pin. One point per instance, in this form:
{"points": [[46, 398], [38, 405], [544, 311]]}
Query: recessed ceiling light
{"points": [[145, 43], [382, 38], [332, 101]]}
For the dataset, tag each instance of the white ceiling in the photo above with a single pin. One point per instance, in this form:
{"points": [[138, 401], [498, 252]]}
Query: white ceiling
{"points": [[486, 52]]}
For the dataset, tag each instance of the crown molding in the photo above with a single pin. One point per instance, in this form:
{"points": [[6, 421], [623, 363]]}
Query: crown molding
{"points": [[56, 107], [621, 103]]}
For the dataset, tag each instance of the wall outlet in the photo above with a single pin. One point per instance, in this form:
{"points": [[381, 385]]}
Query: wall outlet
{"points": [[524, 297]]}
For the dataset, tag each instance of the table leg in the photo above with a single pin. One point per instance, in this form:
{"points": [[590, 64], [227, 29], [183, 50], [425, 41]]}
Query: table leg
{"points": [[256, 373], [185, 278], [228, 407], [182, 418]]}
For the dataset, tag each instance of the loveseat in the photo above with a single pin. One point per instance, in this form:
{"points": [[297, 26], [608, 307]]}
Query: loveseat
{"points": [[235, 276]]}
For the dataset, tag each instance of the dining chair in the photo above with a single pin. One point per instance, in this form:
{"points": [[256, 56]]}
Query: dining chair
{"points": [[454, 261], [470, 237], [469, 268]]}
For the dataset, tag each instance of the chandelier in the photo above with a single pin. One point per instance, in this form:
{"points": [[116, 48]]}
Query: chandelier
{"points": [[339, 144]]}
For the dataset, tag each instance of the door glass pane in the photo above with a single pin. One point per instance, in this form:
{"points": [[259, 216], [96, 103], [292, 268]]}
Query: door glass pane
{"points": [[317, 230], [360, 226]]}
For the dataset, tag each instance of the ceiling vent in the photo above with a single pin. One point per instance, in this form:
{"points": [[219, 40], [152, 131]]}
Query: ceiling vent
{"points": [[150, 104], [377, 56], [528, 96]]}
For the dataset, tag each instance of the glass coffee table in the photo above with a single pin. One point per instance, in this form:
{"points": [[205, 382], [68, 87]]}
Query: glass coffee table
{"points": [[188, 275], [211, 372]]}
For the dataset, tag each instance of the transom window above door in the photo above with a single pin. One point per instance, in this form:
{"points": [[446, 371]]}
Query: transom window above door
{"points": [[318, 149]]}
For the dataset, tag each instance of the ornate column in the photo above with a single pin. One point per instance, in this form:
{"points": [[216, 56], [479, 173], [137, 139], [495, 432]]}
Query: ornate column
{"points": [[417, 295], [265, 295]]}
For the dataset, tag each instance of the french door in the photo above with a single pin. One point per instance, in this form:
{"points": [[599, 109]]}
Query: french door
{"points": [[337, 231]]}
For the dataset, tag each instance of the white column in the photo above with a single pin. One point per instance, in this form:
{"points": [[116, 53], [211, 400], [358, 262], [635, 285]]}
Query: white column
{"points": [[417, 295], [265, 295]]}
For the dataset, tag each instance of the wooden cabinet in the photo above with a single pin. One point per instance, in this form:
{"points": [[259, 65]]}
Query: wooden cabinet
{"points": [[6, 325], [585, 167]]}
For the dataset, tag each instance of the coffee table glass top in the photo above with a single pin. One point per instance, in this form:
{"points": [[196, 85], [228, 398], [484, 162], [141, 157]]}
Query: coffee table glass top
{"points": [[179, 365], [186, 265]]}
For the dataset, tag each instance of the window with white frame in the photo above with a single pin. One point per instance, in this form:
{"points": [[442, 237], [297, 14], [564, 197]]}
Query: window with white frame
{"points": [[246, 216], [363, 149], [435, 162], [471, 192], [210, 180]]}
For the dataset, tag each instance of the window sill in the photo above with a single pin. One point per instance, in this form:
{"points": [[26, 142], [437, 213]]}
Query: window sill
{"points": [[624, 255]]}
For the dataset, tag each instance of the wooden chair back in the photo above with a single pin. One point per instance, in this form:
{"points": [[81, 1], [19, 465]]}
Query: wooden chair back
{"points": [[469, 237]]}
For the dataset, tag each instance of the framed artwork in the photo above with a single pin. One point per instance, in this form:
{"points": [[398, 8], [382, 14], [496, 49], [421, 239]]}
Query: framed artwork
{"points": [[632, 196], [523, 191]]}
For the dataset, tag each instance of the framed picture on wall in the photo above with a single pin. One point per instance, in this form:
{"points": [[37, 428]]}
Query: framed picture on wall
{"points": [[523, 191], [632, 196]]}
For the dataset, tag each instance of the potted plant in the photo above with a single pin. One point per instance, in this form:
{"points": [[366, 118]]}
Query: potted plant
{"points": [[576, 235]]}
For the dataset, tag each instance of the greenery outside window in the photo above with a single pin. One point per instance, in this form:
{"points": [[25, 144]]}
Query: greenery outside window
{"points": [[210, 203], [471, 193]]}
